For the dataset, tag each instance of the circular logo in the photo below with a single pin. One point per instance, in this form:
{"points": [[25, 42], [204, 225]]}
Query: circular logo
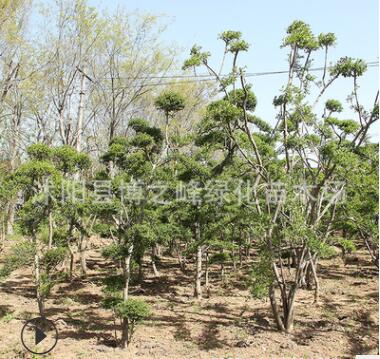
{"points": [[39, 335]]}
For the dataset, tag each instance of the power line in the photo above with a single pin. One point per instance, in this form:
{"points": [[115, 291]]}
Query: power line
{"points": [[200, 77], [210, 78]]}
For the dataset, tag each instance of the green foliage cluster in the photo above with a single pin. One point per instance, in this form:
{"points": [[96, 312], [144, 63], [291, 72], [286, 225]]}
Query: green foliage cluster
{"points": [[349, 67], [170, 102], [21, 254], [134, 310]]}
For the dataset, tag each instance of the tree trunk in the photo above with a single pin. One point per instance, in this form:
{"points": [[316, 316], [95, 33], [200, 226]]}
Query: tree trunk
{"points": [[313, 266], [71, 263], [37, 274], [198, 273], [2, 234], [233, 258], [127, 276], [289, 312], [307, 280], [181, 260], [284, 322], [50, 234], [11, 217], [140, 274], [275, 311], [124, 334], [82, 254], [127, 272], [154, 257], [294, 259], [80, 113], [207, 282], [222, 273]]}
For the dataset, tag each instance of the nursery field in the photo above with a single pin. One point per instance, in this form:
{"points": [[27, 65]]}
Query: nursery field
{"points": [[227, 324]]}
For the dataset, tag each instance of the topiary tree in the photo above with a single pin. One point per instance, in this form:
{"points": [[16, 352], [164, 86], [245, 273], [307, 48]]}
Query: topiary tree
{"points": [[298, 158], [46, 204], [132, 312], [169, 102], [358, 217], [33, 178]]}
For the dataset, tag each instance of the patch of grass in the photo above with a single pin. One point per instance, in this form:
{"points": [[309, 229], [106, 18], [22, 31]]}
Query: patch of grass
{"points": [[78, 314], [328, 314], [196, 308], [7, 318], [66, 301]]}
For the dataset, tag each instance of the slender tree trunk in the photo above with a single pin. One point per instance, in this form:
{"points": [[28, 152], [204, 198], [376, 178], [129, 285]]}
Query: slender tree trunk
{"points": [[154, 256], [80, 112], [181, 261], [307, 280], [313, 266], [140, 274], [233, 258], [14, 161], [171, 248], [222, 273], [72, 263], [284, 322], [127, 272], [275, 311], [126, 263], [50, 234], [37, 278], [207, 282], [2, 234], [294, 259], [198, 273], [124, 334], [82, 254], [11, 217], [289, 313]]}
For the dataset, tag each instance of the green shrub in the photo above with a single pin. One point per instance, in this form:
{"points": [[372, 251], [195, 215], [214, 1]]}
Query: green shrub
{"points": [[135, 310], [348, 246], [111, 302], [222, 257], [132, 312], [115, 252], [53, 257], [20, 255], [113, 284]]}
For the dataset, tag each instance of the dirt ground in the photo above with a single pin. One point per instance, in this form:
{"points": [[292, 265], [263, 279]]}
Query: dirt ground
{"points": [[229, 324]]}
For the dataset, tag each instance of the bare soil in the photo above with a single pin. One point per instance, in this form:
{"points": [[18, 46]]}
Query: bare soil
{"points": [[228, 324]]}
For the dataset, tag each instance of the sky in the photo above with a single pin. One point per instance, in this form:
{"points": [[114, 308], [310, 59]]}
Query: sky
{"points": [[263, 24]]}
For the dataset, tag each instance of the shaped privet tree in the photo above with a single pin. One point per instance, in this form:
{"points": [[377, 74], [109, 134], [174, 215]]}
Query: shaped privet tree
{"points": [[42, 180], [300, 166], [74, 215], [193, 213], [133, 218], [215, 183], [357, 218], [33, 179]]}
